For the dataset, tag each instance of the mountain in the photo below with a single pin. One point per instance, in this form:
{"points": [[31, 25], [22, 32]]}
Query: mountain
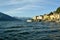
{"points": [[4, 17], [23, 18]]}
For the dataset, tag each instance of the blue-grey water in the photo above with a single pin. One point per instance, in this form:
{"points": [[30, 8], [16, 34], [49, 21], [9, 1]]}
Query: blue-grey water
{"points": [[17, 30]]}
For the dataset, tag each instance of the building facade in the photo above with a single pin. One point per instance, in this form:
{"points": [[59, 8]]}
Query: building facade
{"points": [[47, 17]]}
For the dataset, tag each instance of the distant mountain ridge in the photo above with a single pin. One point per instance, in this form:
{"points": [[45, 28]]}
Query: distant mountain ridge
{"points": [[4, 17]]}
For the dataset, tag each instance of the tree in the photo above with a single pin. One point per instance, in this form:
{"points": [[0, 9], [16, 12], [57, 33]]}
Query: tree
{"points": [[51, 13], [58, 10]]}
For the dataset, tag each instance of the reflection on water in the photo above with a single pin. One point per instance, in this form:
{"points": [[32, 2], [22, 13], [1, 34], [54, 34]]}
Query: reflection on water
{"points": [[15, 30]]}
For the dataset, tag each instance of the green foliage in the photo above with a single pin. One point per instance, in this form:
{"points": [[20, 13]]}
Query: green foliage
{"points": [[58, 10], [51, 13]]}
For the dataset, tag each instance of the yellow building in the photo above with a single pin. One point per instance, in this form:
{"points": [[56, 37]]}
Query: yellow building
{"points": [[45, 17], [57, 16], [40, 17], [37, 18], [54, 17]]}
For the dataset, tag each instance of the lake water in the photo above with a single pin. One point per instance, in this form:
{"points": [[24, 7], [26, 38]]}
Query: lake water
{"points": [[16, 30]]}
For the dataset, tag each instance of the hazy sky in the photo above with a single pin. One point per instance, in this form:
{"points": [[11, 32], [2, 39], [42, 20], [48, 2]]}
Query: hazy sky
{"points": [[28, 8]]}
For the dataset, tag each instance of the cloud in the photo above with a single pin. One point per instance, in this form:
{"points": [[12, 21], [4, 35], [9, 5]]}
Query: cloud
{"points": [[27, 6], [21, 2], [13, 2]]}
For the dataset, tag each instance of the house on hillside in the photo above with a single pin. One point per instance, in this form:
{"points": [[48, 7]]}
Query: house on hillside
{"points": [[45, 17], [35, 18], [54, 17], [38, 18]]}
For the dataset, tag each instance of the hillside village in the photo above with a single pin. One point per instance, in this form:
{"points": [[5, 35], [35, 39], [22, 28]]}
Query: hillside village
{"points": [[52, 16]]}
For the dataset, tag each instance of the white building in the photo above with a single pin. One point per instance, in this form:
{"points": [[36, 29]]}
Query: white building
{"points": [[39, 17], [29, 20]]}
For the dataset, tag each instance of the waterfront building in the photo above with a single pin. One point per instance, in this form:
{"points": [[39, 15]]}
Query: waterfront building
{"points": [[45, 17], [29, 20]]}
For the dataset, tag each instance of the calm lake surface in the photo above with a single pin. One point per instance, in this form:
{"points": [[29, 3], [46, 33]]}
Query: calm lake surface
{"points": [[16, 30]]}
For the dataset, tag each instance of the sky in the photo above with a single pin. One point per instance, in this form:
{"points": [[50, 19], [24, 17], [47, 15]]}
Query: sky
{"points": [[28, 8]]}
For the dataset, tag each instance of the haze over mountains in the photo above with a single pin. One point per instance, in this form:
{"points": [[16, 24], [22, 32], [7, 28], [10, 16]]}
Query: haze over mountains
{"points": [[4, 17]]}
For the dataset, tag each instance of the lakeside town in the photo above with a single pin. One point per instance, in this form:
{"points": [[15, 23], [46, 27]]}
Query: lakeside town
{"points": [[52, 17]]}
